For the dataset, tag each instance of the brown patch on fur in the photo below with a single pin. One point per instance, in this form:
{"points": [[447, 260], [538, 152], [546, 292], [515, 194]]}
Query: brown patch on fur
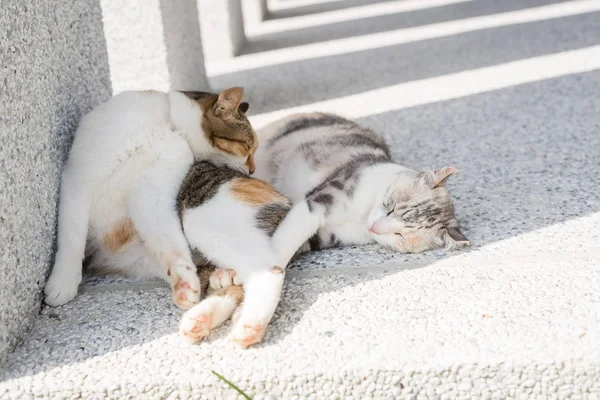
{"points": [[234, 292], [204, 100], [225, 124], [277, 270], [234, 147], [150, 91], [256, 192], [123, 232], [250, 163]]}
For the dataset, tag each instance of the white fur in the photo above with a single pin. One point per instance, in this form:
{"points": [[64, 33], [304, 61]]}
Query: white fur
{"points": [[128, 159], [349, 222], [224, 230], [197, 323]]}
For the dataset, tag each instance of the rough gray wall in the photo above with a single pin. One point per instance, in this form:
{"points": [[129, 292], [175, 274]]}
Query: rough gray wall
{"points": [[222, 27], [54, 68], [153, 44]]}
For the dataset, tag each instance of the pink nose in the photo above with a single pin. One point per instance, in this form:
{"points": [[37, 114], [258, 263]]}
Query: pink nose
{"points": [[378, 227]]}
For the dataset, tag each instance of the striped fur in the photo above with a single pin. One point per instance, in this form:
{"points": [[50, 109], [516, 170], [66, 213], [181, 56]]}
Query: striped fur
{"points": [[343, 181]]}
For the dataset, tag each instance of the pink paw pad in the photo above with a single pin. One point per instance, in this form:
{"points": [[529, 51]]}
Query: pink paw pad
{"points": [[196, 328], [251, 334]]}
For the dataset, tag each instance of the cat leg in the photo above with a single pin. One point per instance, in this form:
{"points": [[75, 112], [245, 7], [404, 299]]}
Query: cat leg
{"points": [[73, 218], [217, 308], [262, 294], [152, 208], [297, 227]]}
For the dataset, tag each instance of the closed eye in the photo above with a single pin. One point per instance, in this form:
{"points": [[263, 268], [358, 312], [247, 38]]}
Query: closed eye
{"points": [[392, 209], [399, 234]]}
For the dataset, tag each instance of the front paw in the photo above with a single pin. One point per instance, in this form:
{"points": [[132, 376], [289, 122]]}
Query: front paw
{"points": [[196, 323], [245, 334], [61, 287], [185, 285], [223, 278]]}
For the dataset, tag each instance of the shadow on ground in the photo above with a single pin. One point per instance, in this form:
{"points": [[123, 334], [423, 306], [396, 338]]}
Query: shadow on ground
{"points": [[304, 82], [383, 23], [527, 154]]}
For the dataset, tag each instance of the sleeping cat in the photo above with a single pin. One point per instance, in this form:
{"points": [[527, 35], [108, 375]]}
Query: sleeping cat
{"points": [[120, 185], [347, 191], [228, 220]]}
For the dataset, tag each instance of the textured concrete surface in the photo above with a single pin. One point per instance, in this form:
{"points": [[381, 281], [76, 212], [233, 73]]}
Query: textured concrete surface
{"points": [[479, 328], [254, 12], [222, 26], [517, 315], [153, 44], [53, 69]]}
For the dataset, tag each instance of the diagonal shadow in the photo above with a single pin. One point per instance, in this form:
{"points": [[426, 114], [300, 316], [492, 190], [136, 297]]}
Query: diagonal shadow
{"points": [[181, 31], [528, 160], [304, 82], [383, 23], [287, 9], [527, 155]]}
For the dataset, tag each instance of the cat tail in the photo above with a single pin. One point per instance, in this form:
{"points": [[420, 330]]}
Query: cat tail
{"points": [[300, 224]]}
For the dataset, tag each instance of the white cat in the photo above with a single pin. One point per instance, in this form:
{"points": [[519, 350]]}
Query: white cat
{"points": [[120, 185]]}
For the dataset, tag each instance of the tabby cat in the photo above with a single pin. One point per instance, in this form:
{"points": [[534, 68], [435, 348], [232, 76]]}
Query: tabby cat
{"points": [[347, 191]]}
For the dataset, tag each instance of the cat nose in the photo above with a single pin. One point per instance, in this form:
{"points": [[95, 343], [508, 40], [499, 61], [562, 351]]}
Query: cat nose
{"points": [[378, 227]]}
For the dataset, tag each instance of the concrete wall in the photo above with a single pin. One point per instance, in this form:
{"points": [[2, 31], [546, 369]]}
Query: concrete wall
{"points": [[54, 68], [154, 44], [255, 11], [222, 27]]}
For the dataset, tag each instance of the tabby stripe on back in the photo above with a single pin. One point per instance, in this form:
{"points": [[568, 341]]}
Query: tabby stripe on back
{"points": [[312, 121], [346, 176]]}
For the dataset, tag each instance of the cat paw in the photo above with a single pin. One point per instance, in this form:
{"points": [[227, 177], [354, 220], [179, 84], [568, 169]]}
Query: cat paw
{"points": [[245, 335], [196, 323], [61, 287], [222, 278], [185, 284]]}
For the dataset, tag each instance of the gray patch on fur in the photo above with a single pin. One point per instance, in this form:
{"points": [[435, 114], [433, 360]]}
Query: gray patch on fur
{"points": [[307, 122], [315, 242], [202, 183], [346, 176], [270, 216]]}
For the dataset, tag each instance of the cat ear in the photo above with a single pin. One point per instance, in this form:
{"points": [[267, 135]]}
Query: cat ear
{"points": [[244, 107], [438, 178], [229, 100], [454, 239]]}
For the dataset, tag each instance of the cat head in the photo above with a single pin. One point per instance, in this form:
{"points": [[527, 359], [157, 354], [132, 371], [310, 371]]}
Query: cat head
{"points": [[217, 126], [417, 214]]}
